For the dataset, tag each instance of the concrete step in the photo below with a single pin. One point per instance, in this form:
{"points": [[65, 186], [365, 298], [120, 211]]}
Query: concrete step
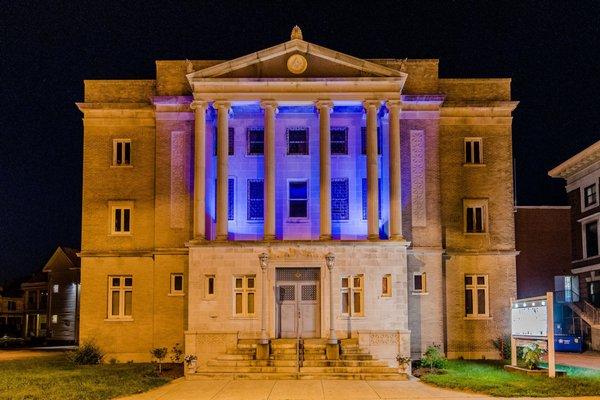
{"points": [[236, 350], [252, 363], [341, 376], [246, 369], [235, 357], [314, 356], [315, 344], [247, 343], [356, 357], [344, 363], [240, 376], [288, 357], [347, 370], [283, 344], [284, 351]]}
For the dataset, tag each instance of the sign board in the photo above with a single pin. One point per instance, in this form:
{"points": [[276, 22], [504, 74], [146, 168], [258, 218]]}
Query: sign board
{"points": [[529, 318]]}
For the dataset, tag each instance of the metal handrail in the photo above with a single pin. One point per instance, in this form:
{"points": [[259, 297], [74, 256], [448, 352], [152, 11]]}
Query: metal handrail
{"points": [[592, 311]]}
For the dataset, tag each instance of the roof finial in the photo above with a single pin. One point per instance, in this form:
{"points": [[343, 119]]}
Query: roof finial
{"points": [[296, 33]]}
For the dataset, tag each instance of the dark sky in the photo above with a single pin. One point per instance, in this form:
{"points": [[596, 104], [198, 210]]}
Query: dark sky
{"points": [[551, 50]]}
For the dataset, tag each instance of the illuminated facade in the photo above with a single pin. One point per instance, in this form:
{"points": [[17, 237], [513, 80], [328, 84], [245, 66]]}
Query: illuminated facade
{"points": [[297, 191]]}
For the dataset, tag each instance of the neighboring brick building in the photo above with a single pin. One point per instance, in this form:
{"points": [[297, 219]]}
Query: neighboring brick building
{"points": [[543, 239], [376, 189], [582, 175]]}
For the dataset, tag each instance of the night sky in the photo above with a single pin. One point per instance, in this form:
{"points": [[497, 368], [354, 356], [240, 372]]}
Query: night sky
{"points": [[550, 49]]}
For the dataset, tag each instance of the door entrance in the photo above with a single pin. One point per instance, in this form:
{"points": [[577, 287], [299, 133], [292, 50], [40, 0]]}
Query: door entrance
{"points": [[297, 298]]}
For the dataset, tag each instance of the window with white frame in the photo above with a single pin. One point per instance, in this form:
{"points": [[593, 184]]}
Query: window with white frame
{"points": [[255, 202], [55, 288], [473, 150], [352, 292], [120, 296], [386, 285], [244, 290], [297, 141], [419, 282], [590, 239], [176, 283], [209, 286], [121, 215], [476, 296], [475, 215], [298, 199], [590, 196], [121, 152], [255, 141], [54, 318], [339, 141]]}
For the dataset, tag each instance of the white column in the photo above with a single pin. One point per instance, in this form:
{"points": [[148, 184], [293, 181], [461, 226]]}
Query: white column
{"points": [[222, 108], [270, 108], [324, 108], [372, 107], [264, 263], [330, 261], [393, 107], [199, 108]]}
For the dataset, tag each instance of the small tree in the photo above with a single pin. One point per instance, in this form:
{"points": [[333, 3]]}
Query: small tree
{"points": [[88, 353], [176, 353], [159, 353], [433, 358], [532, 354]]}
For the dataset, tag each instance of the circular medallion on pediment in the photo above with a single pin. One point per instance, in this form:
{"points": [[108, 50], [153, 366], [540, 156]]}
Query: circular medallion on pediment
{"points": [[297, 64]]}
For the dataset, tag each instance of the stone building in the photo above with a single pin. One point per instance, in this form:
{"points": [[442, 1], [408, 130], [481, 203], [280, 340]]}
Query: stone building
{"points": [[582, 175], [297, 192]]}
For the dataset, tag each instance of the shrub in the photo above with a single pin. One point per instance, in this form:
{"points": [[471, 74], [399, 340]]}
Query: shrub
{"points": [[532, 354], [88, 353], [159, 353], [502, 344], [177, 352], [433, 358]]}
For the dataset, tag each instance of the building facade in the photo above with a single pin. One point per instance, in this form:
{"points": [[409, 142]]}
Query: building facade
{"points": [[11, 313], [297, 192], [582, 175], [543, 239]]}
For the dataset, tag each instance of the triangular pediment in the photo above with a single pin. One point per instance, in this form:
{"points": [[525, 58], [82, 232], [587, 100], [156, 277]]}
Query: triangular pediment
{"points": [[272, 62]]}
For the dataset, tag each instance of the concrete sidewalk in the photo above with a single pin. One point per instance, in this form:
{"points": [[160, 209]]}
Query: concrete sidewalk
{"points": [[589, 359], [182, 389]]}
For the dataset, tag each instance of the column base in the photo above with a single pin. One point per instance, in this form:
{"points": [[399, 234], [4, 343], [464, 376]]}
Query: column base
{"points": [[373, 238], [325, 237], [397, 238], [199, 240], [269, 238], [221, 238], [332, 351], [262, 351]]}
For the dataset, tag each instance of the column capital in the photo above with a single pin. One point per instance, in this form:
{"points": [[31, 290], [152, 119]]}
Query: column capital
{"points": [[372, 104], [218, 105], [268, 104], [393, 104], [199, 105], [320, 104]]}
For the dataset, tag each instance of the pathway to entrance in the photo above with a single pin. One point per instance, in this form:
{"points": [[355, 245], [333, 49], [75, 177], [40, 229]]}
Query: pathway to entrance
{"points": [[589, 359], [182, 389]]}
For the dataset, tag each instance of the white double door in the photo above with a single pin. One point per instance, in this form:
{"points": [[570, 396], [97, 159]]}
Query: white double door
{"points": [[298, 309]]}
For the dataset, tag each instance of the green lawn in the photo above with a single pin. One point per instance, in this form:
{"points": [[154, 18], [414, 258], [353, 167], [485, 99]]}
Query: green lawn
{"points": [[54, 377], [489, 377]]}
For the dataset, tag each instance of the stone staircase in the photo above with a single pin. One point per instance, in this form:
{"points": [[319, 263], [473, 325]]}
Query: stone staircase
{"points": [[289, 359]]}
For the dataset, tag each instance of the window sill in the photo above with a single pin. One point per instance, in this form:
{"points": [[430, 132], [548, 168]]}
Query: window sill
{"points": [[473, 165], [345, 317], [386, 296], [247, 318], [121, 166], [117, 234], [478, 318], [123, 319], [176, 294], [475, 233], [420, 293], [297, 220]]}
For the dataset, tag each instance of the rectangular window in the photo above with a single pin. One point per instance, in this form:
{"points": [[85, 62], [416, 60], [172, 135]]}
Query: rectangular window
{"points": [[121, 218], [298, 199], [54, 288], [419, 282], [121, 152], [589, 195], [32, 299], [176, 283], [475, 216], [476, 296], [209, 286], [120, 296], [352, 292], [12, 305], [297, 141], [230, 136], [365, 192], [340, 207], [386, 285], [255, 141], [230, 198], [591, 239], [256, 199], [339, 141], [473, 151], [54, 318], [244, 292], [363, 140]]}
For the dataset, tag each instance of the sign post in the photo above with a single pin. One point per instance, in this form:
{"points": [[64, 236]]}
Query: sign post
{"points": [[532, 320]]}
